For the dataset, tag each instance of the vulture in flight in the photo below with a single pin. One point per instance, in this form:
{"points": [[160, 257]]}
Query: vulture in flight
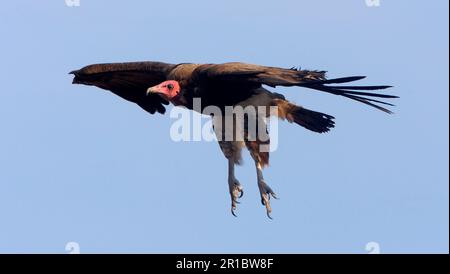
{"points": [[152, 85]]}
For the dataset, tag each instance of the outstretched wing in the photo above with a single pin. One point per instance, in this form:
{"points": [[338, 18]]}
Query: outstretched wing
{"points": [[236, 72], [231, 76], [128, 80]]}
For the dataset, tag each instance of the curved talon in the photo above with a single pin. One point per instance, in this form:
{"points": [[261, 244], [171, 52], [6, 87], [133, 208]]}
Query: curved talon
{"points": [[270, 191], [241, 192], [268, 208], [266, 193], [232, 211], [236, 192]]}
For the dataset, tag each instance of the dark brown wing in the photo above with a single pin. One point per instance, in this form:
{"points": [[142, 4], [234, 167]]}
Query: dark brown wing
{"points": [[224, 84], [241, 72], [229, 76], [128, 80]]}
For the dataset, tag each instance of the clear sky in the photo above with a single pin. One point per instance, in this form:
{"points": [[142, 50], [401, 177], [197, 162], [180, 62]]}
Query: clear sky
{"points": [[80, 164]]}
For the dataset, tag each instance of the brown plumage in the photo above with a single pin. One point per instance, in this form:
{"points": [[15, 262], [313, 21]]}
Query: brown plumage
{"points": [[152, 85]]}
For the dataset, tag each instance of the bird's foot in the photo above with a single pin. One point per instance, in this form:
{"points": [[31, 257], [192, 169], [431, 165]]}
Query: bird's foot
{"points": [[265, 192], [236, 192]]}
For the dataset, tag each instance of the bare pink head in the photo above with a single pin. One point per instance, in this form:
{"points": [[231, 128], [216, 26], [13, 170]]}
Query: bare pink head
{"points": [[167, 89]]}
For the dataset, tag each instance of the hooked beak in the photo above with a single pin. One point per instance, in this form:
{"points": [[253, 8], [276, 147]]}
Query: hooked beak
{"points": [[152, 90]]}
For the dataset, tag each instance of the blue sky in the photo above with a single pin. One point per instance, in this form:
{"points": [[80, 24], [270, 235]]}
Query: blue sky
{"points": [[80, 164]]}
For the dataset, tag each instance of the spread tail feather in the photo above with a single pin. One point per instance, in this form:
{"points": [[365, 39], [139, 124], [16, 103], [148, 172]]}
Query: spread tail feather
{"points": [[312, 120], [309, 119]]}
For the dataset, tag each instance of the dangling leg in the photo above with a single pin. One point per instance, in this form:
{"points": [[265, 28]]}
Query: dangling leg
{"points": [[264, 190], [261, 158], [234, 186], [258, 143], [232, 151]]}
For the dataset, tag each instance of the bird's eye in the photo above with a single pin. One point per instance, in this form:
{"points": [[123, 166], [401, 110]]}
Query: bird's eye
{"points": [[170, 86]]}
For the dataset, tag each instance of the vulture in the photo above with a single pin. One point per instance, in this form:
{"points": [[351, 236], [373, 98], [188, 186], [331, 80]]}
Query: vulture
{"points": [[152, 85]]}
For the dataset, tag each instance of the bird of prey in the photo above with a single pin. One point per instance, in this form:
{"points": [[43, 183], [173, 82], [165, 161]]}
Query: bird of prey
{"points": [[152, 85]]}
